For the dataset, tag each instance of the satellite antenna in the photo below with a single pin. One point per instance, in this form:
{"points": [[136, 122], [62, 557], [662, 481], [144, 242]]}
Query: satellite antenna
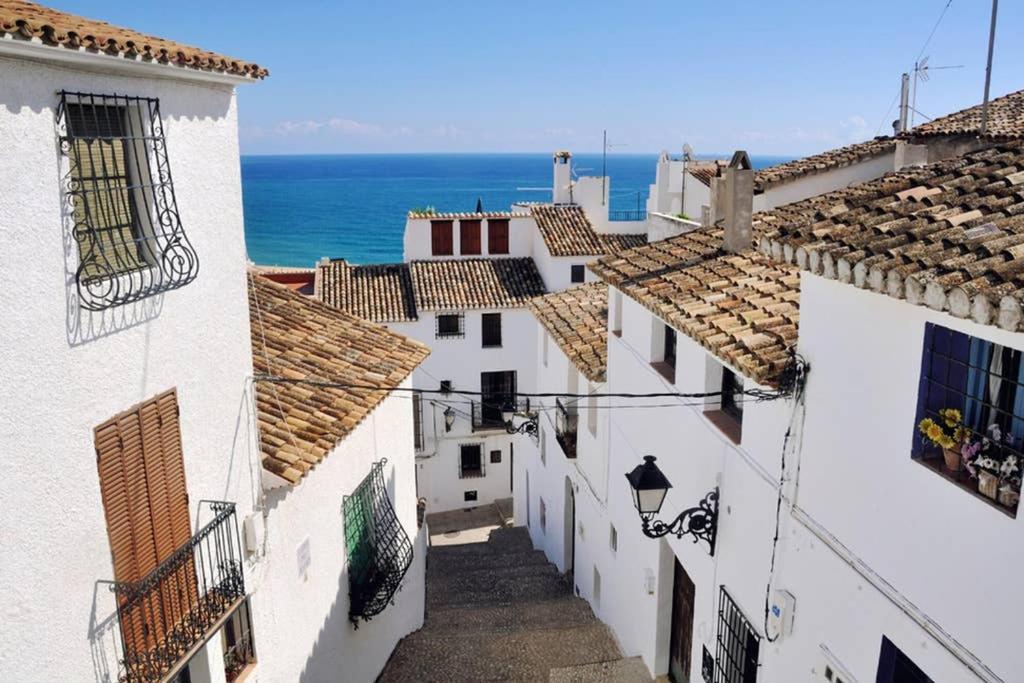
{"points": [[922, 74], [687, 157]]}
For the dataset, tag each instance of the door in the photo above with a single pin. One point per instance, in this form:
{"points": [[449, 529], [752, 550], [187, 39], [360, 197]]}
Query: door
{"points": [[497, 389], [681, 637]]}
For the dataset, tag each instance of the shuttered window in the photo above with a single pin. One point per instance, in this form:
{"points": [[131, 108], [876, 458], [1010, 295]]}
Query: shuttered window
{"points": [[497, 236], [469, 237], [145, 501], [441, 238]]}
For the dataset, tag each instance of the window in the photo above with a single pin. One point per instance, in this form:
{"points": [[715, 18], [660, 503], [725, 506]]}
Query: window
{"points": [[670, 347], [497, 390], [665, 348], [446, 386], [118, 182], [417, 421], [450, 326], [613, 538], [737, 644], [543, 516], [471, 462], [979, 386], [495, 457], [578, 273], [727, 412], [469, 496], [469, 238], [497, 236], [896, 667], [236, 643], [441, 238], [491, 326]]}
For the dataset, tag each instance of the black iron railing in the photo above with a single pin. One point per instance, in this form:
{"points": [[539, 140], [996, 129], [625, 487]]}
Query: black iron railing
{"points": [[379, 549], [164, 616], [487, 414], [630, 215], [566, 421]]}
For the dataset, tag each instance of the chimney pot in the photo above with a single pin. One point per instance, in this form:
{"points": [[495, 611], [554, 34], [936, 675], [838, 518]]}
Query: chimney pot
{"points": [[737, 203]]}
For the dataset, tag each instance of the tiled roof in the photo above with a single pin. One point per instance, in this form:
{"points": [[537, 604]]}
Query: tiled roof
{"points": [[577, 319], [454, 215], [949, 235], [704, 171], [461, 284], [826, 161], [298, 338], [382, 293], [567, 232], [52, 27], [659, 257], [1005, 120]]}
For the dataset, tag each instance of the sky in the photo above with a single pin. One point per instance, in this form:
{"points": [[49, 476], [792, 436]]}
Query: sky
{"points": [[775, 78]]}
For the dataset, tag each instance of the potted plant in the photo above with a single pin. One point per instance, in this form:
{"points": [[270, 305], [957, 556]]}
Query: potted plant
{"points": [[947, 434], [1009, 492], [987, 469]]}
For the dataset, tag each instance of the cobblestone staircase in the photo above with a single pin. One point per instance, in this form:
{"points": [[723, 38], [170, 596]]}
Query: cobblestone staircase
{"points": [[499, 611]]}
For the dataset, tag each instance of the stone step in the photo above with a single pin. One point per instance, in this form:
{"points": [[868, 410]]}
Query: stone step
{"points": [[498, 586], [444, 565], [494, 656], [631, 670], [559, 612], [499, 543]]}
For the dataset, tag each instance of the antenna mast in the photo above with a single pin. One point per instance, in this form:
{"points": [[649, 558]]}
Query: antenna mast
{"points": [[988, 67]]}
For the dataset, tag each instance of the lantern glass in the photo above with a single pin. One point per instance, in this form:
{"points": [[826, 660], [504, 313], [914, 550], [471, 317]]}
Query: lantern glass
{"points": [[649, 502], [507, 413], [649, 486]]}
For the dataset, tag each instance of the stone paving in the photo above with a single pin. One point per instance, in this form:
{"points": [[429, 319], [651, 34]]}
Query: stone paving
{"points": [[497, 610]]}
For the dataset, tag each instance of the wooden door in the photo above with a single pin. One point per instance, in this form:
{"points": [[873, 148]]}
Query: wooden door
{"points": [[145, 501], [681, 637], [469, 237]]}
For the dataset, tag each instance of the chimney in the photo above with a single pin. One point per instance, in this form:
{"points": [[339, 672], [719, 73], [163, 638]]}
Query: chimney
{"points": [[561, 191], [737, 203]]}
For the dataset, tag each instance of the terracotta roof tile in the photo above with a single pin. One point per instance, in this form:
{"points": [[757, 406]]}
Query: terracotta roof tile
{"points": [[461, 284], [468, 214], [568, 232], [704, 171], [382, 293], [1005, 120], [947, 235], [28, 20], [826, 161], [577, 319], [299, 338], [659, 257]]}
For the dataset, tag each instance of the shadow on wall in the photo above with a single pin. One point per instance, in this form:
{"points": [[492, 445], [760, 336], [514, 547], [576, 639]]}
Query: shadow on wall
{"points": [[104, 633]]}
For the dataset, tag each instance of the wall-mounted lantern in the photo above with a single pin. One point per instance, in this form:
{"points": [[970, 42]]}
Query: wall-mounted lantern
{"points": [[528, 426], [650, 487], [449, 418]]}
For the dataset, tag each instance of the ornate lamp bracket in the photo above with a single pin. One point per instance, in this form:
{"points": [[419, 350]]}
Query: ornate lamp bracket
{"points": [[700, 522]]}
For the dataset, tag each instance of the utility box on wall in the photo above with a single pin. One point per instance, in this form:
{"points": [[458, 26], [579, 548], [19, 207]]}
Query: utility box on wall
{"points": [[780, 613]]}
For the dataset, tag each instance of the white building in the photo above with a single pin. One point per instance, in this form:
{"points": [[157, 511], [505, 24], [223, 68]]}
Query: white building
{"points": [[142, 533], [862, 514]]}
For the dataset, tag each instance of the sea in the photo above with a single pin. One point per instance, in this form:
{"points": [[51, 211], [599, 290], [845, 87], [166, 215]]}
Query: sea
{"points": [[301, 208]]}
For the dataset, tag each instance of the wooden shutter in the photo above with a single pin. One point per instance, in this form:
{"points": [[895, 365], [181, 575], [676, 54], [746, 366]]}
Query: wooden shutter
{"points": [[145, 501], [497, 236], [441, 238], [469, 237]]}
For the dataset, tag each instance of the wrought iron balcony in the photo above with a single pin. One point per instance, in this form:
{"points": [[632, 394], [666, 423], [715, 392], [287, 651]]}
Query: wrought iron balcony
{"points": [[168, 614], [566, 421], [487, 415], [629, 215]]}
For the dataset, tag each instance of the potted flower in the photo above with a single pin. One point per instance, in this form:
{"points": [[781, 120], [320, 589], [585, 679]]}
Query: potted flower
{"points": [[1009, 492], [947, 434], [988, 468]]}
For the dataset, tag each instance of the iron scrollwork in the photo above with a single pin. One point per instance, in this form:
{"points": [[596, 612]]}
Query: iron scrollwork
{"points": [[700, 522]]}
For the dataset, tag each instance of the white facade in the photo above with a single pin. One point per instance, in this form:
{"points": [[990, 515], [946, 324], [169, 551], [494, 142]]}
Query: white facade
{"points": [[813, 184], [667, 190], [301, 590], [67, 370], [417, 236]]}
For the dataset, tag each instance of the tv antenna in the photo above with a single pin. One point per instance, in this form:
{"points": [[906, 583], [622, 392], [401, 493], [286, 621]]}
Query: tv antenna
{"points": [[687, 157], [922, 73], [604, 165]]}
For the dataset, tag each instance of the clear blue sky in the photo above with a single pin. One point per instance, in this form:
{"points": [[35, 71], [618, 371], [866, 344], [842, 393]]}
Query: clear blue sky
{"points": [[780, 77]]}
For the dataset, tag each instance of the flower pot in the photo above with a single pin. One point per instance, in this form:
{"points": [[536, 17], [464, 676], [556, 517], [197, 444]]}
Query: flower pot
{"points": [[952, 458], [988, 484], [1009, 497]]}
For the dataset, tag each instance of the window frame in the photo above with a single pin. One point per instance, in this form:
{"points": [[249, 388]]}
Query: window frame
{"points": [[498, 236], [471, 228], [442, 237], [490, 330], [458, 331], [581, 270], [471, 472]]}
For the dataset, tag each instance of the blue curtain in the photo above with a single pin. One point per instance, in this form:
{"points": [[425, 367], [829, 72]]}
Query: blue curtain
{"points": [[977, 385]]}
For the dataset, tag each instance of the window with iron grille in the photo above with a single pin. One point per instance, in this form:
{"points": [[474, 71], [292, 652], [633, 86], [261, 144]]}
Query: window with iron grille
{"points": [[469, 496], [491, 329], [471, 462], [417, 421], [450, 326], [970, 414], [732, 395], [737, 644], [495, 457], [120, 200], [578, 273]]}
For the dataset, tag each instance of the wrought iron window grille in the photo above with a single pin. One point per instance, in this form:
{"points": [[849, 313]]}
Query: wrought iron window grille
{"points": [[566, 425], [471, 468], [119, 196], [171, 610], [737, 644], [379, 549], [450, 326]]}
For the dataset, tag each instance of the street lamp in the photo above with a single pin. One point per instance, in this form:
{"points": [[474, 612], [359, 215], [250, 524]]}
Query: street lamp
{"points": [[529, 426], [650, 487], [449, 418]]}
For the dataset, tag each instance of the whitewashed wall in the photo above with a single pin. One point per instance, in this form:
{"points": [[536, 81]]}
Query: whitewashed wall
{"points": [[301, 620], [65, 370], [556, 271], [820, 183], [461, 361], [417, 244]]}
